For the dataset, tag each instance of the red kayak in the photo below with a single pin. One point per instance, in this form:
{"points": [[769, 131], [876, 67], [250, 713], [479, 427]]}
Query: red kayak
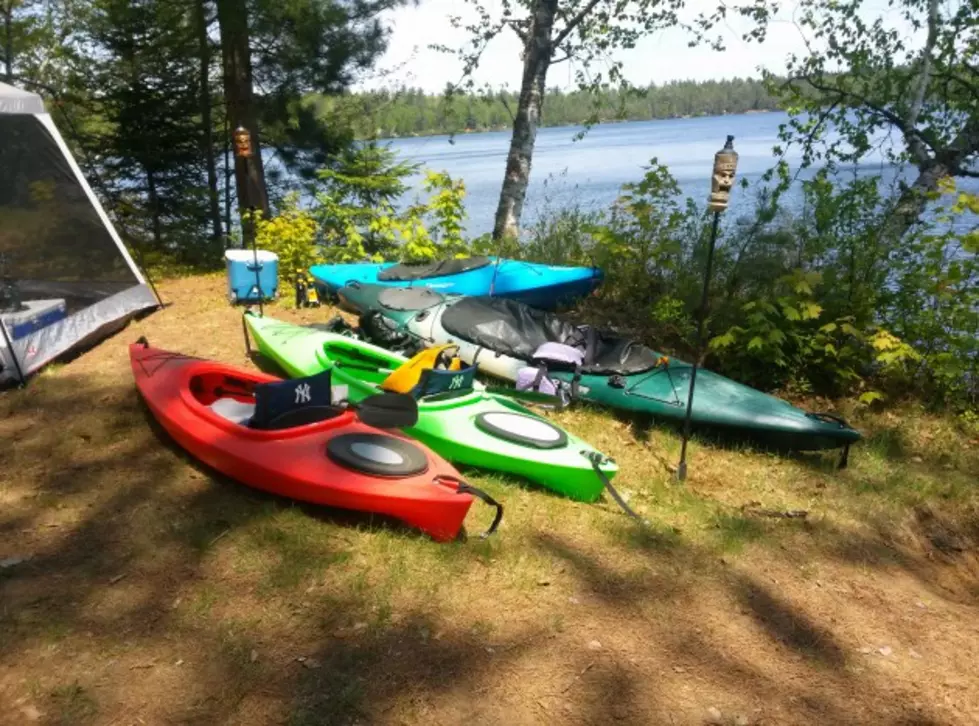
{"points": [[288, 438]]}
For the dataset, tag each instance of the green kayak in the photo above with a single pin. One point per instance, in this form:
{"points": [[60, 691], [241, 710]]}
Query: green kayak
{"points": [[504, 337], [467, 425]]}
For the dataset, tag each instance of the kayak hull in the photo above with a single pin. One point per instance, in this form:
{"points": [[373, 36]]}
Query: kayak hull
{"points": [[720, 403], [448, 426], [290, 462], [538, 285]]}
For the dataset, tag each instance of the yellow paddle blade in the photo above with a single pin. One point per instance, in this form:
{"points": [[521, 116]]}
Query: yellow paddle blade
{"points": [[404, 378]]}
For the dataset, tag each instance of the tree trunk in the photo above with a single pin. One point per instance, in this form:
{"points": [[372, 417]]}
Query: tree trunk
{"points": [[228, 173], [537, 59], [154, 199], [914, 199], [238, 92], [207, 121], [8, 41]]}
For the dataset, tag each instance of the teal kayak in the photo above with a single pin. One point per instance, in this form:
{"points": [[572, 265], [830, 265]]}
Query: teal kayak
{"points": [[503, 337]]}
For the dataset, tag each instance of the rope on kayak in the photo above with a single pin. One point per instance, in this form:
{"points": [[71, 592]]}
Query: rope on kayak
{"points": [[596, 460], [465, 488], [161, 358], [662, 365]]}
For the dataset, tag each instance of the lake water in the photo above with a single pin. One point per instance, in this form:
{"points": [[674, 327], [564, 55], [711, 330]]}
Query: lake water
{"points": [[591, 171]]}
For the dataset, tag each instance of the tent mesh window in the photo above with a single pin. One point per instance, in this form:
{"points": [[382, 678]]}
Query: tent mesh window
{"points": [[66, 280], [53, 243]]}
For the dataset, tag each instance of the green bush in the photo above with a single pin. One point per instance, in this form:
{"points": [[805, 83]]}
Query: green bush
{"points": [[817, 301]]}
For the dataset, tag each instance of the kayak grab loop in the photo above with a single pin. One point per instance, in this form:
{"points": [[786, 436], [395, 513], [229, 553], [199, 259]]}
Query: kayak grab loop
{"points": [[827, 417], [596, 459], [465, 488], [143, 341]]}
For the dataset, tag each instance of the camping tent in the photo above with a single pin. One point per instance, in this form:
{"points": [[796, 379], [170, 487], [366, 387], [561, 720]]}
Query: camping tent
{"points": [[66, 279]]}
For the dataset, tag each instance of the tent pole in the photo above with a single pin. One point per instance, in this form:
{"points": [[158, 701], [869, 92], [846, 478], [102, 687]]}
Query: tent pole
{"points": [[13, 353]]}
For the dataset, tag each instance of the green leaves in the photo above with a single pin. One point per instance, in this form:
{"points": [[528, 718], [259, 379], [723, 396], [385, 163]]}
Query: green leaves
{"points": [[868, 397], [358, 220]]}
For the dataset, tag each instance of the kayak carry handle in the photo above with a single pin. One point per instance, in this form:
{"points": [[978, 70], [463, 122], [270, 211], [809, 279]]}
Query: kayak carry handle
{"points": [[826, 417], [465, 488], [143, 341]]}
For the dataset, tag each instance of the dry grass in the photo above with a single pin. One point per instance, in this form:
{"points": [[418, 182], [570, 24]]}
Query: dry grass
{"points": [[158, 592]]}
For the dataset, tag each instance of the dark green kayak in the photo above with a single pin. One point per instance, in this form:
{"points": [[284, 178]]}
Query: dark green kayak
{"points": [[503, 336]]}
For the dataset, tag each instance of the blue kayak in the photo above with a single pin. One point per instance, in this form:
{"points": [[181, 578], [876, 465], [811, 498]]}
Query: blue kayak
{"points": [[537, 285]]}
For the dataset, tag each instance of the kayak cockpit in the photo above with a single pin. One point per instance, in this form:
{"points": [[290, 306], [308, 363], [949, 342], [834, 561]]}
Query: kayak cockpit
{"points": [[265, 406]]}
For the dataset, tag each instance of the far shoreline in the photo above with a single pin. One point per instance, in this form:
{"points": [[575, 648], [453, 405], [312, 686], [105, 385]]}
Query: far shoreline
{"points": [[604, 122]]}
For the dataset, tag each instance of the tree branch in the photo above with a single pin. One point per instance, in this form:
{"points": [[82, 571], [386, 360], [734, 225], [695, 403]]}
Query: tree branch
{"points": [[515, 26], [909, 132], [918, 99], [960, 171], [574, 22]]}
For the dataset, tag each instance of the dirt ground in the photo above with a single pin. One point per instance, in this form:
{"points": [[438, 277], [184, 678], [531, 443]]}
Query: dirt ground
{"points": [[138, 587]]}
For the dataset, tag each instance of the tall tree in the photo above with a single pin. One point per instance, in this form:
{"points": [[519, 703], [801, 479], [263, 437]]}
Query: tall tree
{"points": [[288, 50], [205, 52], [19, 34], [239, 94], [903, 82], [147, 130], [555, 31]]}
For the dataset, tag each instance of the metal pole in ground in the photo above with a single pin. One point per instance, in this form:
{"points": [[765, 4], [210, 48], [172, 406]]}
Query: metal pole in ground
{"points": [[725, 166], [244, 151]]}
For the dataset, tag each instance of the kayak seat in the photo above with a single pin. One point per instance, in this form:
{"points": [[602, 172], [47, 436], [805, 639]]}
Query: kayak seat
{"points": [[235, 411], [444, 383], [301, 401], [406, 377]]}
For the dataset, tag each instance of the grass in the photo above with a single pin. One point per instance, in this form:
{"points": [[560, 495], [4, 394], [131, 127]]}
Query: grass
{"points": [[73, 704], [159, 591]]}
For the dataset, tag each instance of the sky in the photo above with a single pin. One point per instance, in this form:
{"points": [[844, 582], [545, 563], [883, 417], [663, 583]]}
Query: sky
{"points": [[658, 58]]}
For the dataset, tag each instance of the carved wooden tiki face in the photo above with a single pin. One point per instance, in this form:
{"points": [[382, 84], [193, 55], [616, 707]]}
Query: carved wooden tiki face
{"points": [[243, 143], [721, 183]]}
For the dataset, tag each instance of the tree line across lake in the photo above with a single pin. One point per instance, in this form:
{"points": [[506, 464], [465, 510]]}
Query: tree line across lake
{"points": [[412, 112]]}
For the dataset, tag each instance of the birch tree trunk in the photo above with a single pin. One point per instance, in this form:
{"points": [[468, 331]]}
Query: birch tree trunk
{"points": [[239, 96], [207, 120], [537, 59]]}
